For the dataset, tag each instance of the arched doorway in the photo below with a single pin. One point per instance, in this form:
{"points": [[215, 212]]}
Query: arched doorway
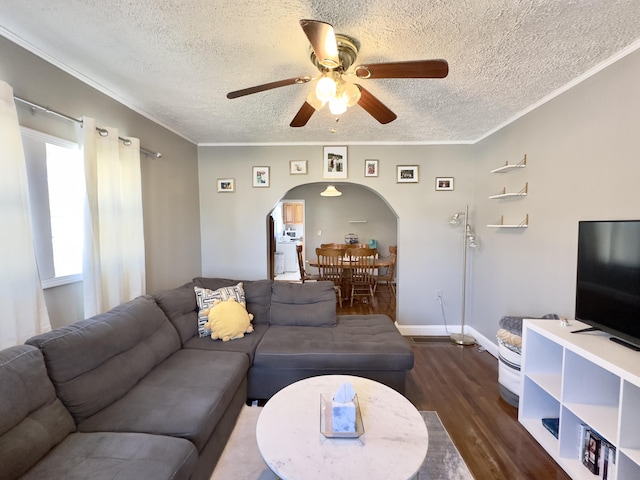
{"points": [[359, 211]]}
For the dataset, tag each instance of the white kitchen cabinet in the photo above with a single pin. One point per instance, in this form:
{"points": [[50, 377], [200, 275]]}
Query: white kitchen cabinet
{"points": [[290, 255]]}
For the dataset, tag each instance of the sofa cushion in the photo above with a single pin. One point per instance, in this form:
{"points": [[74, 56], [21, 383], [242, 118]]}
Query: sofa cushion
{"points": [[246, 344], [206, 298], [357, 342], [94, 362], [184, 396], [117, 456], [180, 306], [257, 294], [303, 304], [32, 418]]}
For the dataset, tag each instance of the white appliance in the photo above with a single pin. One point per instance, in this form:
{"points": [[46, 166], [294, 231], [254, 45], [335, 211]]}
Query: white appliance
{"points": [[290, 255]]}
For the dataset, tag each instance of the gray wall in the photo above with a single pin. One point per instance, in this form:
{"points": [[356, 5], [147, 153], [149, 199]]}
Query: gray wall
{"points": [[582, 150], [583, 164], [170, 184], [234, 231]]}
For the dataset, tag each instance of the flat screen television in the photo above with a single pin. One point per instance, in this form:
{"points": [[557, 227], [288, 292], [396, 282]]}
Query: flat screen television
{"points": [[608, 278]]}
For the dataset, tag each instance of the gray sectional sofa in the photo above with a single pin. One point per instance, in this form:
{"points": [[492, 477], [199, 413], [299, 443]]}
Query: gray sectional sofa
{"points": [[136, 393]]}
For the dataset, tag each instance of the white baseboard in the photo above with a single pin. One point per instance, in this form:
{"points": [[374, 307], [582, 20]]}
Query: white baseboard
{"points": [[441, 331]]}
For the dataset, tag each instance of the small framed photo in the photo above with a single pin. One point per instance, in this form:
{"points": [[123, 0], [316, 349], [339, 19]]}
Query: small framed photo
{"points": [[407, 174], [444, 183], [226, 185], [297, 167], [334, 162], [260, 177], [371, 168]]}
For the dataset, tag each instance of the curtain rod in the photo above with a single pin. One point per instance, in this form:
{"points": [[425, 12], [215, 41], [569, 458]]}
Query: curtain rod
{"points": [[103, 132]]}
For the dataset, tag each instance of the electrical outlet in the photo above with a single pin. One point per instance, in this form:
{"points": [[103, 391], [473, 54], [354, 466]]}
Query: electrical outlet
{"points": [[319, 233], [438, 295]]}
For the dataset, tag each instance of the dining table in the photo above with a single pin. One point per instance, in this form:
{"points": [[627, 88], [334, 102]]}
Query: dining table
{"points": [[345, 264]]}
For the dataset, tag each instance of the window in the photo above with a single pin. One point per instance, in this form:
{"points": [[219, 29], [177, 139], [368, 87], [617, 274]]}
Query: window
{"points": [[56, 191]]}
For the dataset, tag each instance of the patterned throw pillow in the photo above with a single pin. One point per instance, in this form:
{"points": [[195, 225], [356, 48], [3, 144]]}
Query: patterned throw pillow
{"points": [[205, 299]]}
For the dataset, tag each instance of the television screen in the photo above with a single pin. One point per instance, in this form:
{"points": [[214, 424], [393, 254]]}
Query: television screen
{"points": [[608, 277]]}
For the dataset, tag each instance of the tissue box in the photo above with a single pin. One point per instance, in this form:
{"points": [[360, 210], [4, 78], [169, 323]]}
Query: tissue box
{"points": [[343, 416], [333, 426]]}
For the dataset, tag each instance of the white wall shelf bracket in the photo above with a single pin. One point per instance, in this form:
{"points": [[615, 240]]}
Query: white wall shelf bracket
{"points": [[504, 194], [500, 223], [506, 167]]}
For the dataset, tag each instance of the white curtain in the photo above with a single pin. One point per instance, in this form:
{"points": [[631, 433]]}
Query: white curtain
{"points": [[114, 261], [23, 312]]}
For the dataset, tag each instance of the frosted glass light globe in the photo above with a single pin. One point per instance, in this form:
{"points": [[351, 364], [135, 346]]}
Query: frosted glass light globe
{"points": [[325, 89]]}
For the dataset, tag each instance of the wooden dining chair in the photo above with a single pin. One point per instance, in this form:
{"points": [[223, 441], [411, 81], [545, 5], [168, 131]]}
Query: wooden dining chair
{"points": [[388, 277], [304, 276], [357, 245], [333, 245], [330, 267], [362, 269]]}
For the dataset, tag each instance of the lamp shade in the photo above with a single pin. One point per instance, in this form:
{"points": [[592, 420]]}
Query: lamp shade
{"points": [[330, 191]]}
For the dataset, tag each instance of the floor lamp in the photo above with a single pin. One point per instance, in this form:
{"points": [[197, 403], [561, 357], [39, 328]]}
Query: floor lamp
{"points": [[469, 241]]}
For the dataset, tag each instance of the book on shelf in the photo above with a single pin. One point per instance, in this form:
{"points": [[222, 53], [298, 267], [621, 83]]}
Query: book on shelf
{"points": [[582, 439], [591, 456], [608, 460], [551, 424], [596, 453]]}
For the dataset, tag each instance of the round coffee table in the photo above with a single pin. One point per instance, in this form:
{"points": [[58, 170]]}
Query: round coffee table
{"points": [[394, 444]]}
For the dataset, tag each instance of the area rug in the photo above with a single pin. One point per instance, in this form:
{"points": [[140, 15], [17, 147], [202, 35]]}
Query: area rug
{"points": [[241, 458]]}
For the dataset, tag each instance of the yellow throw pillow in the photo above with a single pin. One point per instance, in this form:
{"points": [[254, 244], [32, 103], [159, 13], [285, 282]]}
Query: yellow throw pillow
{"points": [[229, 320]]}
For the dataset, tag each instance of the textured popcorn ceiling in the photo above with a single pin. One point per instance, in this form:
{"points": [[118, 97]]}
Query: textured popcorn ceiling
{"points": [[175, 60]]}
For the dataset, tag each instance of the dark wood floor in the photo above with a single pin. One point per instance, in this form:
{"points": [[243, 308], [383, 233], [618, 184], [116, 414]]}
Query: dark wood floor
{"points": [[461, 384]]}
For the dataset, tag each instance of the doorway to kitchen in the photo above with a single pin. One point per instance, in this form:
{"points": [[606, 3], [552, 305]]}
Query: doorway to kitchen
{"points": [[289, 231]]}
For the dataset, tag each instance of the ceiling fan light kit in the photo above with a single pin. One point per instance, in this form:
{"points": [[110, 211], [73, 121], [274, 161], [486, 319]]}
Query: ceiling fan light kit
{"points": [[333, 55]]}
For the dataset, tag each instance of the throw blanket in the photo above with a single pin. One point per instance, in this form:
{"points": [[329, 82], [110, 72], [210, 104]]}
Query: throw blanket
{"points": [[510, 332], [513, 324]]}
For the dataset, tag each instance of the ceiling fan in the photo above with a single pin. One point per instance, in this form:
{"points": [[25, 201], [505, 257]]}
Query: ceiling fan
{"points": [[333, 54]]}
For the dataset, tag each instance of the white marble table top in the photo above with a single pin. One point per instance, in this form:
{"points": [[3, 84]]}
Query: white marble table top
{"points": [[393, 446]]}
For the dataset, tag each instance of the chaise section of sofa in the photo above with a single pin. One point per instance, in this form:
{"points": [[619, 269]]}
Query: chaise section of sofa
{"points": [[38, 438], [306, 338], [125, 371], [297, 335]]}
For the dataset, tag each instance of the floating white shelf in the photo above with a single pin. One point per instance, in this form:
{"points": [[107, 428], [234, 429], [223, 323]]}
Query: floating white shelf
{"points": [[504, 194], [500, 223], [506, 167]]}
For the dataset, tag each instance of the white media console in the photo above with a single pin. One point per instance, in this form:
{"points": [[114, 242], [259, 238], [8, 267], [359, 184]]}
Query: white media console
{"points": [[580, 378]]}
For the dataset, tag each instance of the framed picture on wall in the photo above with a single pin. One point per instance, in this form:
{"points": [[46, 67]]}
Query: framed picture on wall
{"points": [[260, 177], [334, 162], [297, 167], [407, 174], [226, 185], [371, 168], [444, 183]]}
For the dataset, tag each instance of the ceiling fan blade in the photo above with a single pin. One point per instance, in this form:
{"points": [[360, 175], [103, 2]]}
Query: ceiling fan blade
{"points": [[323, 41], [414, 69], [267, 86], [375, 107], [303, 115]]}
